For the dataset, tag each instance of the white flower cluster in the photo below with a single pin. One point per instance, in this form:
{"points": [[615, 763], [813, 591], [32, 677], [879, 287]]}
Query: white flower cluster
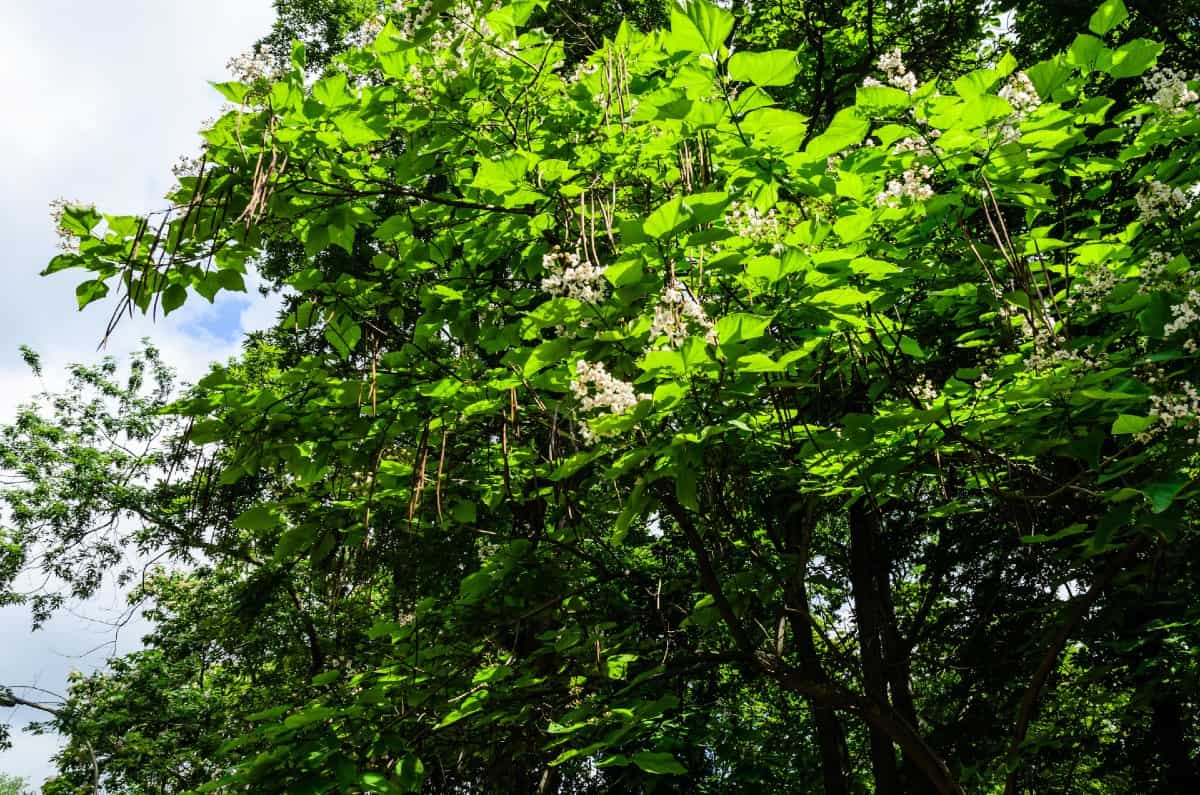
{"points": [[1154, 270], [892, 63], [746, 221], [1091, 287], [1049, 352], [569, 277], [1019, 91], [1183, 315], [67, 240], [186, 167], [1170, 90], [416, 19], [456, 36], [921, 146], [677, 313], [924, 390], [1171, 410], [368, 32], [251, 67], [597, 390], [914, 186], [1156, 198]]}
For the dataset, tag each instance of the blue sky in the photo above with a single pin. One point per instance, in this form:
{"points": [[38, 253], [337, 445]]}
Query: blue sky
{"points": [[99, 99]]}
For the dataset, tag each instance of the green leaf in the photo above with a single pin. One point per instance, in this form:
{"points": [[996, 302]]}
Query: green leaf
{"points": [[234, 92], [1110, 14], [769, 68], [550, 352], [1134, 58], [410, 773], [501, 175], [1048, 76], [659, 763], [910, 347], [699, 26], [260, 517], [294, 540], [739, 327], [847, 128], [90, 291], [343, 334], [332, 91], [781, 129], [1127, 423], [173, 298], [685, 211], [883, 100], [844, 296], [1085, 51], [1160, 495]]}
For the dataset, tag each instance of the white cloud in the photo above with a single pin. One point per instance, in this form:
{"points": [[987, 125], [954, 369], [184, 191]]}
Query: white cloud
{"points": [[100, 99]]}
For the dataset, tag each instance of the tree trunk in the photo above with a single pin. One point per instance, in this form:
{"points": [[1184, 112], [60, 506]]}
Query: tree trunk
{"points": [[870, 614]]}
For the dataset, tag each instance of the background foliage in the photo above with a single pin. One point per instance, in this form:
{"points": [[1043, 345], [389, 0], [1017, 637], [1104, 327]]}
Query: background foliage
{"points": [[790, 397]]}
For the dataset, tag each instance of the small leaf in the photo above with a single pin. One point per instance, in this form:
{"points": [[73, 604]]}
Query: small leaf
{"points": [[659, 763], [90, 291], [1131, 424], [173, 298], [911, 347]]}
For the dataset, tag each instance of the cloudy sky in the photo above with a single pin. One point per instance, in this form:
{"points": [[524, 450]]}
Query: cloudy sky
{"points": [[99, 100]]}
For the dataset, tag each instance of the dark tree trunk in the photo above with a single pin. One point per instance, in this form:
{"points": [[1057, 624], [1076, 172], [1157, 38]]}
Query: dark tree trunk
{"points": [[871, 616]]}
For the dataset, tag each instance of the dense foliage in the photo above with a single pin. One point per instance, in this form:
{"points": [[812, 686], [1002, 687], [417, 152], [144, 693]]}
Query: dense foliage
{"points": [[716, 403]]}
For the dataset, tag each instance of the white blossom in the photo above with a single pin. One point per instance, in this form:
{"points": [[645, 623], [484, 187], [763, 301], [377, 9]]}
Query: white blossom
{"points": [[677, 314], [746, 221], [1156, 198], [67, 240], [597, 390], [251, 67], [568, 276], [1050, 351], [916, 144], [1184, 314], [924, 390], [1167, 411], [369, 31], [892, 63], [1019, 91], [1154, 270], [914, 186], [1170, 90], [1091, 287]]}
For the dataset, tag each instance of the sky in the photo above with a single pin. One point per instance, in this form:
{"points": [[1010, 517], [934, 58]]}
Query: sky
{"points": [[99, 100]]}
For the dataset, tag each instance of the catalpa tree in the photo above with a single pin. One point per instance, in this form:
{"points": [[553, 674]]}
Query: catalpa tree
{"points": [[630, 430]]}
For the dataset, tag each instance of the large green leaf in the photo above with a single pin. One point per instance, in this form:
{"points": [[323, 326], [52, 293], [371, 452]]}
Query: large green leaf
{"points": [[769, 68]]}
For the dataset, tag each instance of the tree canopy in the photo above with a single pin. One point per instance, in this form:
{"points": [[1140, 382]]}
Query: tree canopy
{"points": [[791, 397]]}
